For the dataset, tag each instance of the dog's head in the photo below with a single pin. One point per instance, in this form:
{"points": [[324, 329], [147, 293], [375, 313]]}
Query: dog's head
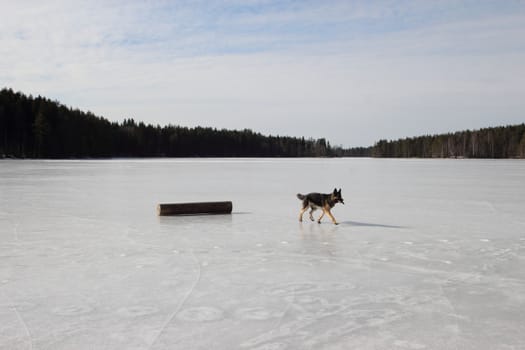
{"points": [[336, 196]]}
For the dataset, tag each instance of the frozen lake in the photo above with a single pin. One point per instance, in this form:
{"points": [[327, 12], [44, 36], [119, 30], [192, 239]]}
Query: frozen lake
{"points": [[430, 254]]}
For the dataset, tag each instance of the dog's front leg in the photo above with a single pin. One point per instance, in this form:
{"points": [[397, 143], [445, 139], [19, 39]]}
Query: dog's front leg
{"points": [[329, 213]]}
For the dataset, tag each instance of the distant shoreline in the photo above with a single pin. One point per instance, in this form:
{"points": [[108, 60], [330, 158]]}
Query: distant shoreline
{"points": [[248, 157], [38, 128]]}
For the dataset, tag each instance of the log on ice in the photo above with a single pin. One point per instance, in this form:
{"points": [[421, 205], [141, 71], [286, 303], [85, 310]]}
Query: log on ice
{"points": [[194, 208]]}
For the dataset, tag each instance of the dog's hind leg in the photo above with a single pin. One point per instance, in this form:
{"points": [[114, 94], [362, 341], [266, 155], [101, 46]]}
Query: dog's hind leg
{"points": [[320, 217], [311, 212], [301, 213]]}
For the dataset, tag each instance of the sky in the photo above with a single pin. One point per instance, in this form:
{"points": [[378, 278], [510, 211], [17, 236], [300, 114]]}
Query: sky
{"points": [[353, 72]]}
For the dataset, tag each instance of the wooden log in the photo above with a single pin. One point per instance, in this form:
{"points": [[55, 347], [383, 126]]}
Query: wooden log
{"points": [[194, 208]]}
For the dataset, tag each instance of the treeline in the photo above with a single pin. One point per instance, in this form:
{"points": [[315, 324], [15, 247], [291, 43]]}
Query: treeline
{"points": [[36, 127], [498, 142]]}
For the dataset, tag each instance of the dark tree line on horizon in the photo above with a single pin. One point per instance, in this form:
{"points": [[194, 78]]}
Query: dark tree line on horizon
{"points": [[36, 127], [497, 142]]}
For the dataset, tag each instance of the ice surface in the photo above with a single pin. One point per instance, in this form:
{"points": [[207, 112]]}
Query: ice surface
{"points": [[430, 254]]}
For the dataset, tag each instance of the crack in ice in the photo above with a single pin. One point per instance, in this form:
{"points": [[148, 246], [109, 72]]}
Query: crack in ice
{"points": [[179, 307], [28, 333]]}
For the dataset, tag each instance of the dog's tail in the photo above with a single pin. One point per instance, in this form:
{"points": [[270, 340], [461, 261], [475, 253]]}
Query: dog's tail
{"points": [[301, 196]]}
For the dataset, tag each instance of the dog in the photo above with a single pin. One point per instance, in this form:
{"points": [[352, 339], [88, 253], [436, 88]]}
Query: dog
{"points": [[320, 200]]}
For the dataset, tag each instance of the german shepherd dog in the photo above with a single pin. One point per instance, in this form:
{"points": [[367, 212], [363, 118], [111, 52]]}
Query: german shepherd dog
{"points": [[320, 200]]}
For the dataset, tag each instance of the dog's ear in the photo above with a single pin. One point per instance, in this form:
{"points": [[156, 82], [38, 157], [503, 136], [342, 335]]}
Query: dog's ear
{"points": [[339, 191], [335, 190]]}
